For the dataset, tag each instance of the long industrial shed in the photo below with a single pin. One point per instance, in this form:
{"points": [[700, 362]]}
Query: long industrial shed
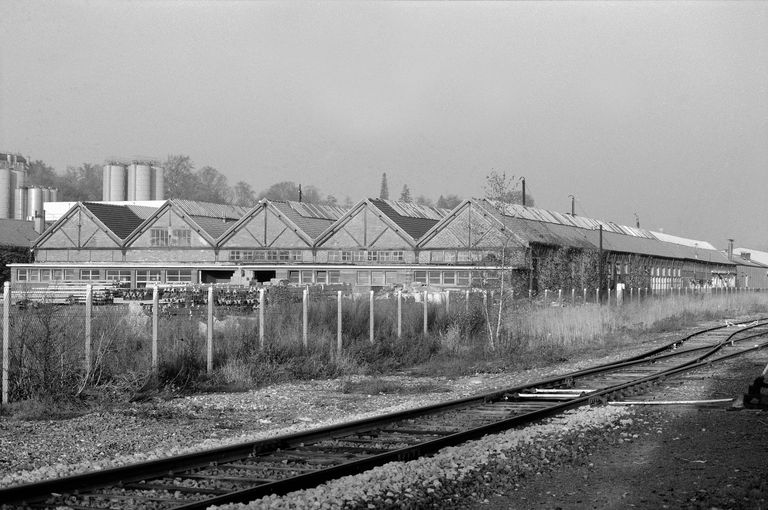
{"points": [[375, 243]]}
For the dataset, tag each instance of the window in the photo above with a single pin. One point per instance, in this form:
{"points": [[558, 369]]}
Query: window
{"points": [[45, 275], [158, 237], [70, 274], [321, 277], [377, 278], [334, 276], [21, 275], [57, 274], [119, 275], [145, 276], [464, 256], [178, 275], [306, 276], [235, 255], [449, 277], [90, 274], [390, 277], [363, 277], [181, 237], [437, 256], [34, 275], [293, 276], [462, 278], [420, 276], [434, 277]]}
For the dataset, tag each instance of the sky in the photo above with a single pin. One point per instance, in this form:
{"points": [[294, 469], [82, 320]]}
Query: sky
{"points": [[656, 111]]}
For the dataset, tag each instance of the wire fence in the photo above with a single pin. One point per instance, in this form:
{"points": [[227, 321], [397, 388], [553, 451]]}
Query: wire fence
{"points": [[54, 343]]}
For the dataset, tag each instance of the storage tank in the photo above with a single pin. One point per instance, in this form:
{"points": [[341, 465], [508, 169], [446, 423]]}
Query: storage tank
{"points": [[143, 182], [35, 201], [22, 199], [159, 191], [105, 184], [5, 193], [113, 189], [54, 194], [131, 179]]}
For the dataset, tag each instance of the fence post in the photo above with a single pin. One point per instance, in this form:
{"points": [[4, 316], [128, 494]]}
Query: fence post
{"points": [[155, 306], [338, 322], [370, 321], [305, 315], [447, 301], [399, 314], [585, 295], [209, 344], [466, 302], [609, 297], [6, 337], [425, 312], [597, 295], [546, 294], [530, 294], [559, 295], [88, 315], [262, 305], [573, 296]]}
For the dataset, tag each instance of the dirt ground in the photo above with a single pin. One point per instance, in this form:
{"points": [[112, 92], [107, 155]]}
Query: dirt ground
{"points": [[677, 456]]}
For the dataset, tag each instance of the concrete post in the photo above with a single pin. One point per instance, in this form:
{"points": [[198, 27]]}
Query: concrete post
{"points": [[262, 305], [88, 322], [6, 338], [399, 314], [155, 324], [338, 323], [371, 317], [425, 312], [305, 315], [209, 343]]}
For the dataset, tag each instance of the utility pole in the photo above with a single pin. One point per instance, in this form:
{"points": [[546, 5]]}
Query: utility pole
{"points": [[573, 206], [299, 192], [600, 263], [523, 179]]}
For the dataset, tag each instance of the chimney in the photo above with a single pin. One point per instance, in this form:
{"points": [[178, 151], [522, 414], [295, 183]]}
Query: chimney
{"points": [[39, 222], [730, 249]]}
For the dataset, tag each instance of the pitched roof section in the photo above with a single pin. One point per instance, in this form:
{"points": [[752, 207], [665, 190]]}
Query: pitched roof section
{"points": [[313, 219], [122, 220], [214, 219], [17, 233], [415, 220]]}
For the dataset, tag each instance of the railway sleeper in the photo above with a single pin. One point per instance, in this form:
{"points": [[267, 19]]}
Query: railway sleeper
{"points": [[170, 488]]}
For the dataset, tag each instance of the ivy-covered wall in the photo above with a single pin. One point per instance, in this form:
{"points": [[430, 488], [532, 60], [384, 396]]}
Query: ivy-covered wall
{"points": [[10, 255]]}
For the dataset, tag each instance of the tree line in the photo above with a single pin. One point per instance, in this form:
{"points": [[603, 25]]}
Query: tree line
{"points": [[206, 184]]}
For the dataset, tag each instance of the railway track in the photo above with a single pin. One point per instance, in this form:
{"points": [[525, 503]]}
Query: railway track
{"points": [[282, 464]]}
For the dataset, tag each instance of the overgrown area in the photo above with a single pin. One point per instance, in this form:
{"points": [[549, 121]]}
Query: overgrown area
{"points": [[47, 355]]}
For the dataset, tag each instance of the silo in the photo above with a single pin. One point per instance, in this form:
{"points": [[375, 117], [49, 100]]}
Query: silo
{"points": [[117, 183], [159, 191], [35, 203], [20, 212], [54, 194], [106, 173], [5, 193], [143, 182], [131, 193]]}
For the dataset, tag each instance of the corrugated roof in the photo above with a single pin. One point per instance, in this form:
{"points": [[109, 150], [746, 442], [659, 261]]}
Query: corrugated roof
{"points": [[17, 233], [214, 227], [211, 210], [693, 243], [312, 219], [122, 220], [414, 219]]}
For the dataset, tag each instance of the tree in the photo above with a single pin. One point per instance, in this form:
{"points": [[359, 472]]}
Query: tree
{"points": [[180, 180], [243, 195], [384, 193], [82, 183], [448, 202], [211, 186], [505, 189], [405, 195], [422, 200], [41, 174]]}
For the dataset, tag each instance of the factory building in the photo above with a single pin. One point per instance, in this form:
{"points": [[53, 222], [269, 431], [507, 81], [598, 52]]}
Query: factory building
{"points": [[18, 198], [374, 244]]}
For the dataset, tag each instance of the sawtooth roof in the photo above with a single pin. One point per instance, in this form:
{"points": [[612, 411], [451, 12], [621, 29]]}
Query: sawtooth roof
{"points": [[414, 219], [122, 220], [313, 219]]}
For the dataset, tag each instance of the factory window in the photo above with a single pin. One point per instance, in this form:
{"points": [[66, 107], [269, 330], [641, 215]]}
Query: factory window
{"points": [[259, 256], [434, 277], [293, 276], [334, 256], [449, 277], [377, 278], [442, 257], [334, 276], [235, 255], [45, 275], [464, 256], [159, 237], [90, 274], [462, 278], [34, 275], [321, 277], [57, 274], [420, 276], [178, 275], [119, 275], [363, 277], [146, 276], [21, 275], [181, 237], [391, 277], [306, 276]]}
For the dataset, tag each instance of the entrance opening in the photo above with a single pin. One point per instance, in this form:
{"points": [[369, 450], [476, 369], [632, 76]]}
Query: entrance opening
{"points": [[216, 276], [264, 276]]}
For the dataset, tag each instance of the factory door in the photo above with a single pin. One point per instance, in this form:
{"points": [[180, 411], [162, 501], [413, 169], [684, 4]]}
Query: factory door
{"points": [[216, 276], [264, 276]]}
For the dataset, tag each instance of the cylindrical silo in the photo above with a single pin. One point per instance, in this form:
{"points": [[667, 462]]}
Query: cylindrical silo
{"points": [[131, 192], [5, 193], [22, 197], [159, 191], [117, 183], [106, 174], [54, 194], [35, 201], [143, 182], [46, 195]]}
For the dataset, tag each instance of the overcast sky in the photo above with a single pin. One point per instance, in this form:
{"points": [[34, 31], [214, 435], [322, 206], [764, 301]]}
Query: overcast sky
{"points": [[659, 109]]}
